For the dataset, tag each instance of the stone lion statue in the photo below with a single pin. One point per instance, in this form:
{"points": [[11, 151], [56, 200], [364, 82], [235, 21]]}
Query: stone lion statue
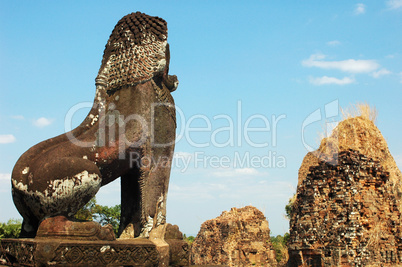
{"points": [[128, 133]]}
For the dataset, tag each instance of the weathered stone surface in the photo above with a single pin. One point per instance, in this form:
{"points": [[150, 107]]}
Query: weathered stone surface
{"points": [[347, 210], [179, 250], [57, 252], [128, 133], [359, 134], [61, 227], [55, 246], [173, 232], [239, 237]]}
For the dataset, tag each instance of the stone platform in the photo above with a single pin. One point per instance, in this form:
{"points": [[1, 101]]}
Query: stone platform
{"points": [[62, 252]]}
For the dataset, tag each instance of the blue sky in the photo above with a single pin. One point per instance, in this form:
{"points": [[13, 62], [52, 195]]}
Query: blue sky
{"points": [[251, 74]]}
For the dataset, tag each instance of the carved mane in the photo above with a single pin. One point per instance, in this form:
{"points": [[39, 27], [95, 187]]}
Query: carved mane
{"points": [[135, 52]]}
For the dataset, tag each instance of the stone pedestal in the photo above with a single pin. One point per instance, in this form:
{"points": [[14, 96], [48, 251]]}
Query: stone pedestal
{"points": [[179, 250], [63, 252]]}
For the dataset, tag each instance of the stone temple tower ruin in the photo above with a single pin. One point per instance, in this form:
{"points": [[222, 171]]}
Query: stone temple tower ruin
{"points": [[347, 210]]}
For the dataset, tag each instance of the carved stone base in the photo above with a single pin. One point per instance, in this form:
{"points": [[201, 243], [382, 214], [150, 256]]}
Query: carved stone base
{"points": [[61, 227], [61, 252], [179, 250]]}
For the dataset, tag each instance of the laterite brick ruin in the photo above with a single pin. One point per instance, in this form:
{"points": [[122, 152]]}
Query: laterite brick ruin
{"points": [[239, 237], [347, 209]]}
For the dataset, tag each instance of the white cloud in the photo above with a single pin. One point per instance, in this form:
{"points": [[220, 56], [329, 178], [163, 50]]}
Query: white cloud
{"points": [[242, 172], [381, 72], [334, 43], [7, 138], [394, 4], [360, 9], [325, 80], [5, 177], [349, 65], [18, 117], [42, 122]]}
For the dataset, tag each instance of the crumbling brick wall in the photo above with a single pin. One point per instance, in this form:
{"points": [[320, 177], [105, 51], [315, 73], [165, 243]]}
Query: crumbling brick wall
{"points": [[239, 237], [346, 214]]}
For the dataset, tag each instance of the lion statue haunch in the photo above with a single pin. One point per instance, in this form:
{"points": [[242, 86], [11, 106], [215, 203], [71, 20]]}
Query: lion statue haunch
{"points": [[128, 133]]}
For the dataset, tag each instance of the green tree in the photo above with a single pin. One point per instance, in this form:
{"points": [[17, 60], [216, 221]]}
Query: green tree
{"points": [[189, 239], [286, 239], [289, 207], [11, 229], [280, 246], [86, 212], [108, 215], [101, 214]]}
